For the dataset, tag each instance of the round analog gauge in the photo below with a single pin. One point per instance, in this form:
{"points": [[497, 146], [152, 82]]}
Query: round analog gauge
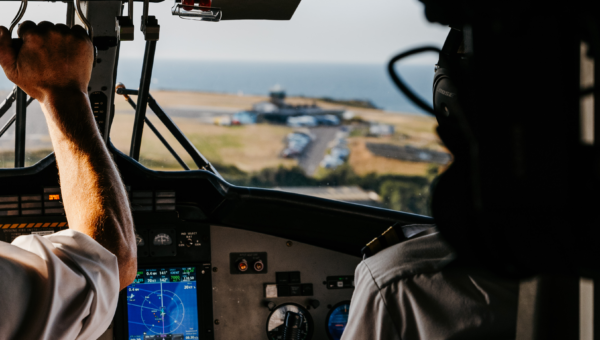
{"points": [[337, 319], [276, 322], [162, 239]]}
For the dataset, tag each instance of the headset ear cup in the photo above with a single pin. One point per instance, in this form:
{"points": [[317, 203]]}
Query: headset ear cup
{"points": [[447, 108], [445, 96]]}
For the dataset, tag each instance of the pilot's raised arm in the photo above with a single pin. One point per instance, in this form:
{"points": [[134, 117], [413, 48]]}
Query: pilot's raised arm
{"points": [[404, 291], [66, 285]]}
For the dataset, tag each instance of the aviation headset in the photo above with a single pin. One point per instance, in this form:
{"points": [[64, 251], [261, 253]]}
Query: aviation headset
{"points": [[446, 104]]}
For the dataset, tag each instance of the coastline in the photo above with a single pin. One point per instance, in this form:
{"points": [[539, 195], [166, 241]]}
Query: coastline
{"points": [[249, 148]]}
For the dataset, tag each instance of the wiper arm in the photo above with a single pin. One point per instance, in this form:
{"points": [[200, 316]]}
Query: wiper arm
{"points": [[157, 133], [201, 162], [7, 103], [5, 106]]}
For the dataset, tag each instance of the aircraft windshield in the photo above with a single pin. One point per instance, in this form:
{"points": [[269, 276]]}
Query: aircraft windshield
{"points": [[37, 143], [304, 105]]}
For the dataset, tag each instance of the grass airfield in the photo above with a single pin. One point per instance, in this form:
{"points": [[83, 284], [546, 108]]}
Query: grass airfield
{"points": [[249, 148], [254, 147]]}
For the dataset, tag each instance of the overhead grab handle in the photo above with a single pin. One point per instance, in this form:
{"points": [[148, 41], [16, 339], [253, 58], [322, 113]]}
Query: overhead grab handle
{"points": [[17, 42], [82, 17], [84, 20], [125, 27], [87, 26], [19, 16], [200, 10]]}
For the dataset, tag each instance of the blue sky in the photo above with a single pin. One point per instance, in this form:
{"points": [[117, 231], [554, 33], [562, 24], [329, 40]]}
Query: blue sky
{"points": [[338, 31]]}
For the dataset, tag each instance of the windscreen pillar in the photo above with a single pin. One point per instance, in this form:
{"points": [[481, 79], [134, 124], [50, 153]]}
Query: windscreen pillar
{"points": [[548, 308], [102, 16], [151, 31], [20, 132]]}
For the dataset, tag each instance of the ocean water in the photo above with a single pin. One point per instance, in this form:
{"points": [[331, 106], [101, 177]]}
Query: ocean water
{"points": [[338, 81]]}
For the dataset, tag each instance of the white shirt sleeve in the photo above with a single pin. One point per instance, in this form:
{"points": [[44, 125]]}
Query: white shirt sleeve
{"points": [[369, 317], [404, 292], [69, 287]]}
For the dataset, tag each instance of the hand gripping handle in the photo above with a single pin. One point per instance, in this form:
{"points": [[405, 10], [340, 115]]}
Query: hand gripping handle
{"points": [[17, 43]]}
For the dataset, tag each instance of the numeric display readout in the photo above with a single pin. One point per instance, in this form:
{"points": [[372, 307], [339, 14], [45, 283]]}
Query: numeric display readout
{"points": [[162, 304], [165, 275]]}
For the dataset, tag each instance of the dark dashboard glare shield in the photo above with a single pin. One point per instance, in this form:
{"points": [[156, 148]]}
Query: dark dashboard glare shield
{"points": [[162, 304]]}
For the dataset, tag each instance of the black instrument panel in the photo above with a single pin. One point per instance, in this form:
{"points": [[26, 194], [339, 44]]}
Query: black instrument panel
{"points": [[171, 297], [166, 302], [248, 254]]}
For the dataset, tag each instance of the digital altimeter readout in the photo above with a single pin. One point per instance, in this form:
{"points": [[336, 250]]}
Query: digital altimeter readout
{"points": [[164, 275]]}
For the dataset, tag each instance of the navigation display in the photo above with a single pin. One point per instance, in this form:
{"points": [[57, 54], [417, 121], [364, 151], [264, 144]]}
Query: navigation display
{"points": [[162, 304]]}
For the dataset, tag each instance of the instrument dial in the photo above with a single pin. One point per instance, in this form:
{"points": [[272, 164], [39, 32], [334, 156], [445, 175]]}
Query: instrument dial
{"points": [[337, 319], [276, 327], [162, 239]]}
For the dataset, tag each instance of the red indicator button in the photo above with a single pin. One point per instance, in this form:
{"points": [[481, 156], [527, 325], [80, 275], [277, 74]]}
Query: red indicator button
{"points": [[205, 3], [187, 4]]}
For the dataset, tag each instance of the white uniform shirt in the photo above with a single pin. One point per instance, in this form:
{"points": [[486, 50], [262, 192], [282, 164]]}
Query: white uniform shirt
{"points": [[60, 286], [403, 292]]}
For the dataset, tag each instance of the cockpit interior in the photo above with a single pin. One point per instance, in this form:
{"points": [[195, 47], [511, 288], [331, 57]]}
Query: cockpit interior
{"points": [[223, 258], [215, 260]]}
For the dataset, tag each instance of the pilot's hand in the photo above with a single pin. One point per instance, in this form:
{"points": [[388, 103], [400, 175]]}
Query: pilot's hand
{"points": [[53, 59]]}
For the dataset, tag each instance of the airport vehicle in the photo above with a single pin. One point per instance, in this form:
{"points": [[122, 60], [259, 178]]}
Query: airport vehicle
{"points": [[244, 262]]}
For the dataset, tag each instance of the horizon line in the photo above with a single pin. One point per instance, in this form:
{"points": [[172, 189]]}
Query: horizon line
{"points": [[157, 58]]}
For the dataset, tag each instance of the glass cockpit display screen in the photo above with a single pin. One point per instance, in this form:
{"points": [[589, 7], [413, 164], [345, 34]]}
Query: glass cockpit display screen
{"points": [[162, 304]]}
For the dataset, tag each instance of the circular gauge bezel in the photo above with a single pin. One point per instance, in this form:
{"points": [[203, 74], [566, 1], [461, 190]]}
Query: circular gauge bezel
{"points": [[139, 239], [341, 303], [162, 236], [306, 313]]}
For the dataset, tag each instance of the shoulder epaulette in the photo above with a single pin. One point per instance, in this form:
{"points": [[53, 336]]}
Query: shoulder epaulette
{"points": [[394, 235]]}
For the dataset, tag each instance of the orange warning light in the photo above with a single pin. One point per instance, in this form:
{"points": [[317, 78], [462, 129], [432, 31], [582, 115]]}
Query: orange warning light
{"points": [[54, 197], [243, 265]]}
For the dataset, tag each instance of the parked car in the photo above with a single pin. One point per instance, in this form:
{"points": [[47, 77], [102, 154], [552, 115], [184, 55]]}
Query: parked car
{"points": [[302, 121], [379, 130], [329, 120], [331, 162], [296, 144], [340, 152]]}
